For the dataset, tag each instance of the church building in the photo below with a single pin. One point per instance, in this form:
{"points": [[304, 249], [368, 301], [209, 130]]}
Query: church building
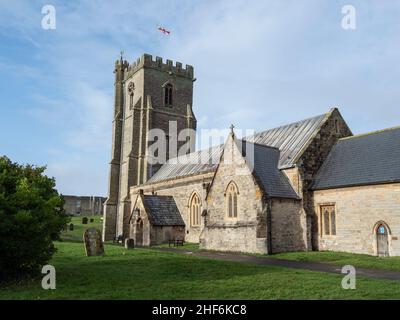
{"points": [[308, 185]]}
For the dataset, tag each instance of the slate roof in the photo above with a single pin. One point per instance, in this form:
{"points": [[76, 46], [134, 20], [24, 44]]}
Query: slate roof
{"points": [[266, 172], [361, 160], [290, 139], [162, 210]]}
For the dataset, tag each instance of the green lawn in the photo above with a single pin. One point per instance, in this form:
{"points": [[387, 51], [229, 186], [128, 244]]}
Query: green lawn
{"points": [[342, 258], [79, 228], [149, 274], [336, 258]]}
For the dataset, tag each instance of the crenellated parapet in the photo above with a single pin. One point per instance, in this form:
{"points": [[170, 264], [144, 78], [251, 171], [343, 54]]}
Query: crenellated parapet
{"points": [[146, 61], [121, 65]]}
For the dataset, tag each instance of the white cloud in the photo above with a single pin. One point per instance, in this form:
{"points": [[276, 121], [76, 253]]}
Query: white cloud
{"points": [[91, 118], [259, 64]]}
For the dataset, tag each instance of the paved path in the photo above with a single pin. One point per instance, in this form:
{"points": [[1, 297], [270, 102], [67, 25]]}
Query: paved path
{"points": [[313, 266]]}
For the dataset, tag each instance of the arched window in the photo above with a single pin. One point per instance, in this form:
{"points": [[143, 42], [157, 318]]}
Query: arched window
{"points": [[327, 220], [232, 200], [168, 89], [195, 211], [382, 229]]}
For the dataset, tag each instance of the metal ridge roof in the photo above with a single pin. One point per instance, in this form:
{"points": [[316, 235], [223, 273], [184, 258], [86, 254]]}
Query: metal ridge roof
{"points": [[290, 139]]}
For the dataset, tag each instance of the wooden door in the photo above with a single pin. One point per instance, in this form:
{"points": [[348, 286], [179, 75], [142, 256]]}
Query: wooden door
{"points": [[382, 241]]}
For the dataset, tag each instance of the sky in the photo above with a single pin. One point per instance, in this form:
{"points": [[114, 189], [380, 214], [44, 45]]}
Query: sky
{"points": [[259, 64]]}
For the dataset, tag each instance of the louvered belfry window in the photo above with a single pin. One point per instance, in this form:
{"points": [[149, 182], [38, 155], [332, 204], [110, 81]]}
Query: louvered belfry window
{"points": [[168, 90]]}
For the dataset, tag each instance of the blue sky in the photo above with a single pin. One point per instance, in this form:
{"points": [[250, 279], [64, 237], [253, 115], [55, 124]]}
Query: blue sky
{"points": [[258, 64]]}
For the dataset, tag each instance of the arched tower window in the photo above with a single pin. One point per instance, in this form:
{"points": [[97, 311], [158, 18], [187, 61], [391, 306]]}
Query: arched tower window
{"points": [[131, 91], [232, 200], [195, 210], [168, 89]]}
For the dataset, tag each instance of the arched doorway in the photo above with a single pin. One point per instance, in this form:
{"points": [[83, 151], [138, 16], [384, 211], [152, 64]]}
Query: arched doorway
{"points": [[382, 240], [139, 233]]}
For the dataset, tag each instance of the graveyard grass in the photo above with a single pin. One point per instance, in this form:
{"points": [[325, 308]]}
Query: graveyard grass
{"points": [[151, 274], [79, 228], [343, 258], [329, 257]]}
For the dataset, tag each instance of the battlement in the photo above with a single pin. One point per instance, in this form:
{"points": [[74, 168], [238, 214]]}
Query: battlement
{"points": [[146, 61], [123, 64]]}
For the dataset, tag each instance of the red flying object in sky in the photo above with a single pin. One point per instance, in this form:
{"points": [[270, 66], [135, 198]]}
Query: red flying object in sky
{"points": [[163, 30]]}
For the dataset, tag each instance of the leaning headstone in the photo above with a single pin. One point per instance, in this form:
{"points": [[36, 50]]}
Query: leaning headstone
{"points": [[93, 242], [71, 227], [129, 243], [91, 220], [84, 220]]}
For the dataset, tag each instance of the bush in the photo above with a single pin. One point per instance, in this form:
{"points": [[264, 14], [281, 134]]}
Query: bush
{"points": [[31, 218]]}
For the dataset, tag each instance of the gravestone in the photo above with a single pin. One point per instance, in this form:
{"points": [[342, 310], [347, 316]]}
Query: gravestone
{"points": [[71, 227], [91, 220], [129, 244], [84, 220], [93, 242]]}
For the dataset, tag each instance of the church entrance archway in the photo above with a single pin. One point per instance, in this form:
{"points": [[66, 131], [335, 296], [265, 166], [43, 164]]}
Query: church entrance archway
{"points": [[382, 240], [139, 233]]}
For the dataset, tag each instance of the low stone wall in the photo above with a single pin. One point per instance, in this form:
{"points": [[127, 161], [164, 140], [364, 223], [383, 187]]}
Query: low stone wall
{"points": [[162, 234], [237, 237]]}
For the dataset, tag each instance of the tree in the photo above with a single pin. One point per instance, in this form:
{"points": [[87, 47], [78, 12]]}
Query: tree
{"points": [[31, 218]]}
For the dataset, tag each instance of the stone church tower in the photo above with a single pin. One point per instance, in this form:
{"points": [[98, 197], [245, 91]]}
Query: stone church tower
{"points": [[149, 94]]}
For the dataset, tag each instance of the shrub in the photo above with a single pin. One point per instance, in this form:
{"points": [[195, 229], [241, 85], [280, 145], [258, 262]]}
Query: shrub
{"points": [[31, 218]]}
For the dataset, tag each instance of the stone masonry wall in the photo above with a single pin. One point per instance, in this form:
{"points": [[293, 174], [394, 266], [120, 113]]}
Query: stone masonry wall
{"points": [[289, 226], [83, 205], [294, 177], [143, 239], [332, 129], [147, 111], [230, 234], [161, 234], [152, 235], [111, 204], [182, 191], [358, 210]]}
